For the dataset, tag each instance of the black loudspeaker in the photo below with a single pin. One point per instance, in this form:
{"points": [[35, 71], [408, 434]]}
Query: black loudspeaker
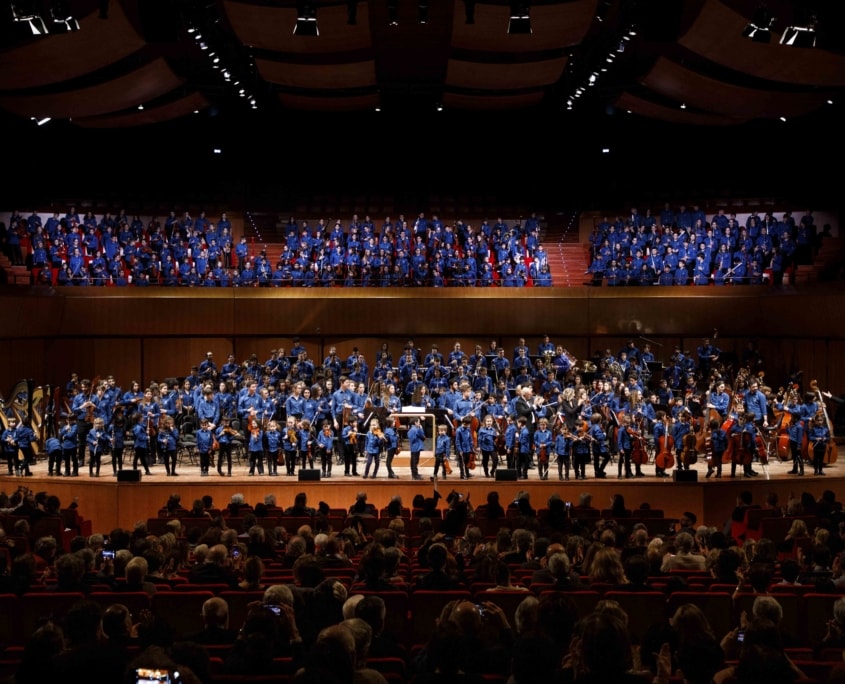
{"points": [[506, 475], [685, 475], [128, 475], [312, 475]]}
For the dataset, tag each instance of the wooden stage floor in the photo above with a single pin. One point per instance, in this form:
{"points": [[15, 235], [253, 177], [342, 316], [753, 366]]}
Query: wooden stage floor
{"points": [[111, 504]]}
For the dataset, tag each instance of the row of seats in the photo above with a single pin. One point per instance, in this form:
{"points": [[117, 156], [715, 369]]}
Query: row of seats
{"points": [[411, 616]]}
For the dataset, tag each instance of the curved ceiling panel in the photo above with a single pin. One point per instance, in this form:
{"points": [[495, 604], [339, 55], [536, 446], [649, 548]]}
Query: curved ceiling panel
{"points": [[653, 110], [333, 76], [140, 86], [271, 28], [716, 34], [66, 56], [465, 74], [185, 106], [355, 103], [681, 84], [491, 103], [553, 27]]}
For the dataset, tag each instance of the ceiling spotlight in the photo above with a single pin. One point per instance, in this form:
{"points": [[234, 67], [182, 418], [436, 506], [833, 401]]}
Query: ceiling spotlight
{"points": [[63, 20], [520, 21], [683, 105], [422, 11], [439, 107], [469, 8], [306, 19], [759, 29], [25, 12], [393, 12], [42, 121], [620, 47], [799, 36], [352, 12]]}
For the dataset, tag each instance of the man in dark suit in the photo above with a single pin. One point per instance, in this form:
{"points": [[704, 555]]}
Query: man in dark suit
{"points": [[215, 624]]}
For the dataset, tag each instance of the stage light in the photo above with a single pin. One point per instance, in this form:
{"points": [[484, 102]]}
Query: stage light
{"points": [[759, 29], [393, 12], [24, 12], [306, 19], [799, 36], [422, 12], [520, 21], [63, 20]]}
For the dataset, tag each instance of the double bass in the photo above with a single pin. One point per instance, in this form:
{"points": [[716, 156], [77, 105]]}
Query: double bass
{"points": [[831, 452], [689, 453]]}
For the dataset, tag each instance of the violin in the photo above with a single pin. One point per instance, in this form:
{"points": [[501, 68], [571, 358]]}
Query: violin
{"points": [[471, 460]]}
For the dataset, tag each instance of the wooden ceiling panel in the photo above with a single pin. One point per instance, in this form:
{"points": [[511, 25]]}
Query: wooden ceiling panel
{"points": [[466, 74], [142, 85], [271, 28], [491, 103], [185, 106], [646, 108], [554, 26], [684, 85], [57, 58], [318, 76], [356, 103], [716, 34]]}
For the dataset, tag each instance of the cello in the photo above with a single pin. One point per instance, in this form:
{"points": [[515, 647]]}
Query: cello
{"points": [[639, 455], [665, 459], [689, 454]]}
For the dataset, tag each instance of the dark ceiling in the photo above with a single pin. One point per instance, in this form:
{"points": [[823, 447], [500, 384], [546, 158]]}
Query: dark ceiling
{"points": [[659, 82]]}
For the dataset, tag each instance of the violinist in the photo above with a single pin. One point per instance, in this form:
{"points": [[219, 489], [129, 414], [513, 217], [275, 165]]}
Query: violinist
{"points": [[523, 447], [325, 447], [349, 436], [290, 442], [97, 440], [543, 447], [205, 444], [140, 446], [224, 434], [168, 439], [487, 434], [464, 446], [563, 451], [718, 445], [273, 442], [601, 455], [68, 437], [625, 444], [255, 446], [819, 436], [305, 443], [374, 444], [416, 443]]}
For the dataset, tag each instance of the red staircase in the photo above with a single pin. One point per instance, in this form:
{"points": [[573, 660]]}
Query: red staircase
{"points": [[568, 258]]}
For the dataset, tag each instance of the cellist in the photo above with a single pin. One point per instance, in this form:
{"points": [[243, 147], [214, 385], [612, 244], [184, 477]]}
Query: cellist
{"points": [[681, 427], [819, 436]]}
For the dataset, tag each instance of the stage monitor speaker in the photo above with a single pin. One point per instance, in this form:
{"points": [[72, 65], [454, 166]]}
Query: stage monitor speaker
{"points": [[128, 475], [506, 475], [310, 475], [685, 475]]}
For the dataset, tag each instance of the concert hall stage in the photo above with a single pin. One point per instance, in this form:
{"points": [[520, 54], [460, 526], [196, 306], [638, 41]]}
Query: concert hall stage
{"points": [[109, 503]]}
